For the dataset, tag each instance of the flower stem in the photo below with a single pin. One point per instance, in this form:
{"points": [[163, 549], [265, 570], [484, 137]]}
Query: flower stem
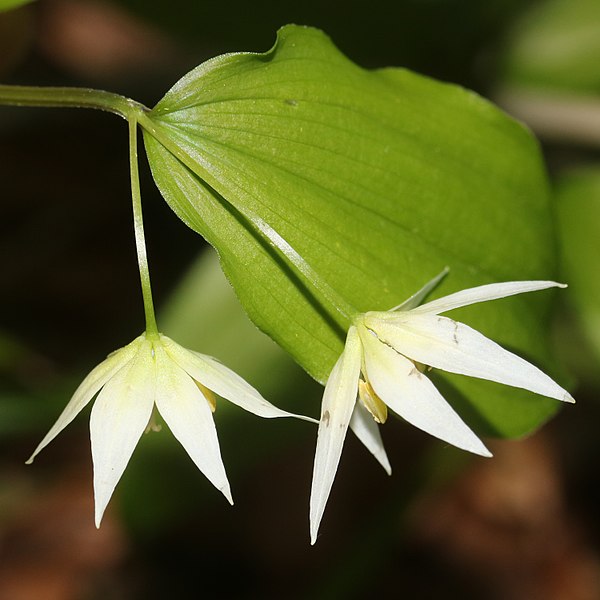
{"points": [[132, 111], [18, 95], [138, 224]]}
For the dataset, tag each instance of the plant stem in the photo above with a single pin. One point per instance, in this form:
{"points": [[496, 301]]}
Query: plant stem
{"points": [[138, 224], [132, 111], [17, 95]]}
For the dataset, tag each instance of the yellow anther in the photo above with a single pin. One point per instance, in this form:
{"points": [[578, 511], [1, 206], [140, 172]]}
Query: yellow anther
{"points": [[210, 397], [153, 424], [421, 367], [372, 402]]}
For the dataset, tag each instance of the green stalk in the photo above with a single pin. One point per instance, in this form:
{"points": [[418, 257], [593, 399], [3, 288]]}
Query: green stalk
{"points": [[18, 95], [138, 224], [62, 97]]}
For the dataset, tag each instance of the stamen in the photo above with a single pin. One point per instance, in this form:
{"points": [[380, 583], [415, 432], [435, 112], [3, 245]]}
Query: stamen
{"points": [[153, 424], [210, 396], [421, 367], [372, 402]]}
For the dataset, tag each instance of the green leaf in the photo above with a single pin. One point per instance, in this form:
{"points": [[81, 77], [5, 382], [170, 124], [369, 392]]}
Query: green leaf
{"points": [[557, 45], [578, 210], [6, 5], [327, 188]]}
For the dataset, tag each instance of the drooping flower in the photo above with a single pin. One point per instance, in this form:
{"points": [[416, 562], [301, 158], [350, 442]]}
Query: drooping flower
{"points": [[382, 367], [154, 371]]}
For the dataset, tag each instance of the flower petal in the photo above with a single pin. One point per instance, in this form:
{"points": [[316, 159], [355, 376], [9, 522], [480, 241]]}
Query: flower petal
{"points": [[367, 431], [119, 417], [188, 414], [411, 395], [88, 388], [338, 404], [445, 344], [223, 381], [483, 293]]}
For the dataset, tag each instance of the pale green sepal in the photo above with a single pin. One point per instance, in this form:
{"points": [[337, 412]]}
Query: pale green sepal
{"points": [[446, 344], [188, 414], [419, 296], [119, 417], [339, 400], [88, 388], [483, 293], [410, 394], [367, 431], [223, 381]]}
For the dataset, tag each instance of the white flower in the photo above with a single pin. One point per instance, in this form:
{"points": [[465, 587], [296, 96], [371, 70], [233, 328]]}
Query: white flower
{"points": [[382, 366], [155, 371]]}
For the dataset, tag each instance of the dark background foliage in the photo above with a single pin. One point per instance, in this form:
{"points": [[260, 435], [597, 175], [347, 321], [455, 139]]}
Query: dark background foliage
{"points": [[523, 525]]}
